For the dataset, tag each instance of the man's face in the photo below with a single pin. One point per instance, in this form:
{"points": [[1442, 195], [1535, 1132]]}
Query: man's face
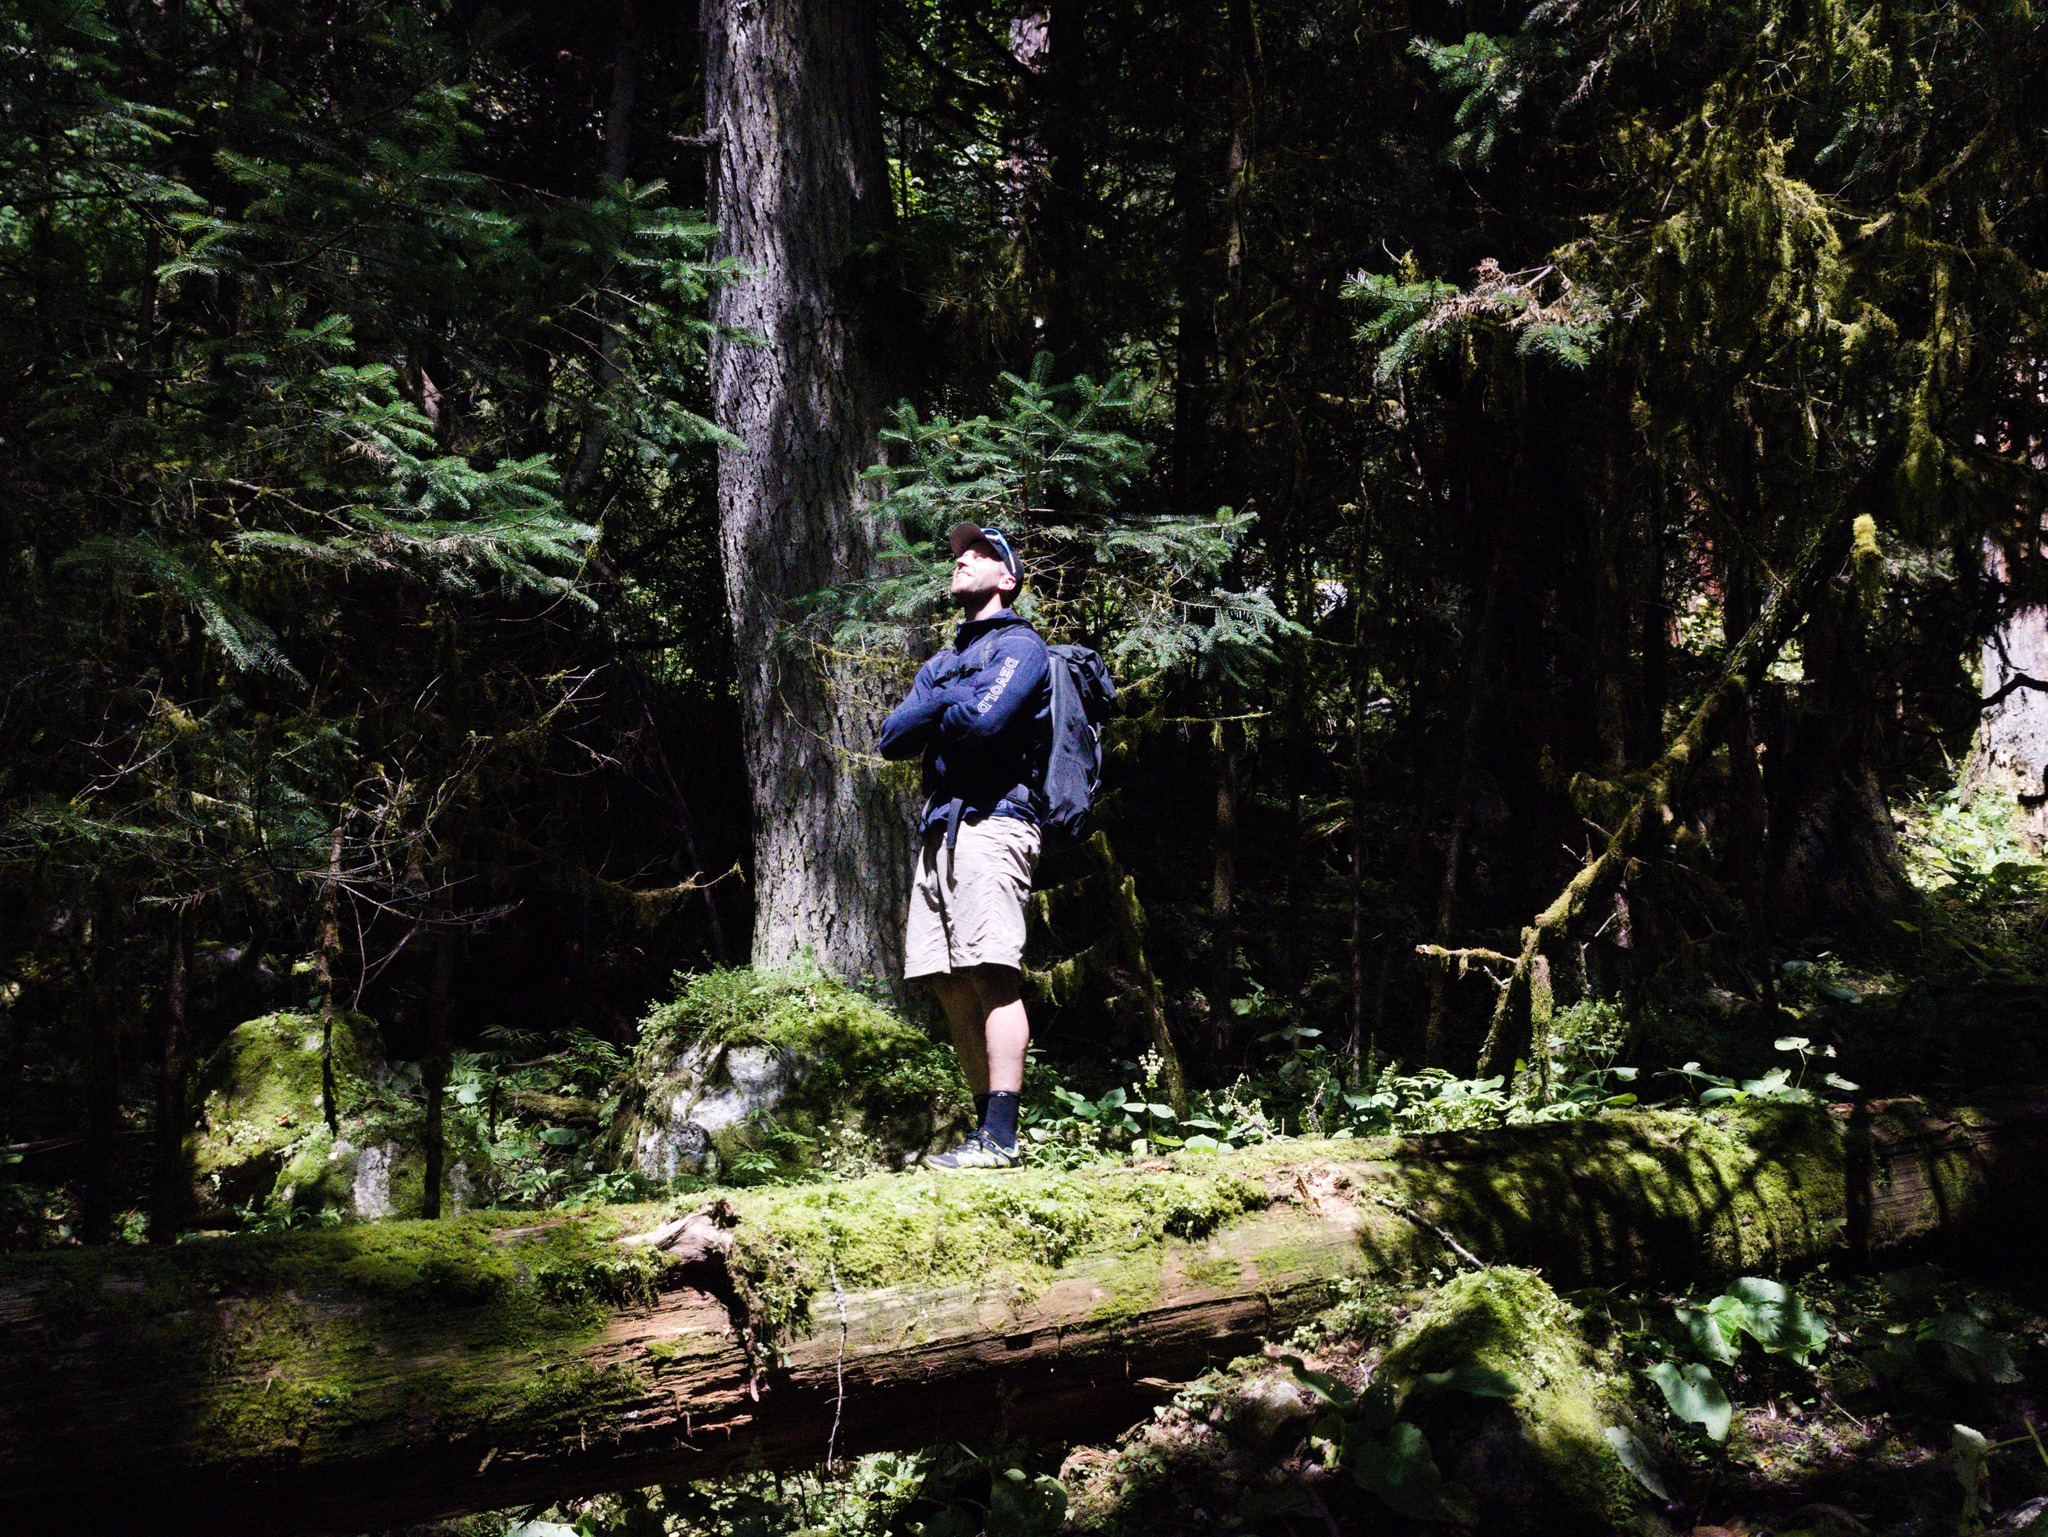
{"points": [[978, 572]]}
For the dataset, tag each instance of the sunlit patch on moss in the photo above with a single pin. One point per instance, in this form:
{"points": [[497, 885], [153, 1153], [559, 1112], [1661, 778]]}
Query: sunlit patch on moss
{"points": [[835, 1081]]}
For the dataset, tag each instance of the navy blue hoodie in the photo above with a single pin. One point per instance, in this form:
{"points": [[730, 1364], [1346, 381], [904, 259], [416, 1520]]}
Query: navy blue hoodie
{"points": [[981, 715]]}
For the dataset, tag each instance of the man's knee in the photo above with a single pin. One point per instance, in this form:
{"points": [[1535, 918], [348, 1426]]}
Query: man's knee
{"points": [[997, 986]]}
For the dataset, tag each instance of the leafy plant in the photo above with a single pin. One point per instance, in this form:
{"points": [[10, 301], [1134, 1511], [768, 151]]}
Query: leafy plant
{"points": [[1767, 1313], [1782, 1084], [1952, 1344], [1051, 468], [1386, 1455]]}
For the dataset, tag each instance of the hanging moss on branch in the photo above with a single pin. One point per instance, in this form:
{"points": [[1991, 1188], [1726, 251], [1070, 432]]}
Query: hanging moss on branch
{"points": [[1523, 1010]]}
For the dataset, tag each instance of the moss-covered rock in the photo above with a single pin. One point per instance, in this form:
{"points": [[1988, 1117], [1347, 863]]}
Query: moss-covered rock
{"points": [[1540, 1462], [263, 1144], [752, 1070]]}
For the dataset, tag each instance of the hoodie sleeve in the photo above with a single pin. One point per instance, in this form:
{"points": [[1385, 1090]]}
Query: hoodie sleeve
{"points": [[909, 725], [1007, 685]]}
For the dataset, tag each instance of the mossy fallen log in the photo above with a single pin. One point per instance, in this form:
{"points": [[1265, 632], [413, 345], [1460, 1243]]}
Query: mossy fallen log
{"points": [[347, 1379]]}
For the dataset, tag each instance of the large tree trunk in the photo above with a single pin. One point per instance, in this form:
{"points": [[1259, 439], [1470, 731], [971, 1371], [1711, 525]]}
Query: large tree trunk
{"points": [[343, 1380], [800, 192]]}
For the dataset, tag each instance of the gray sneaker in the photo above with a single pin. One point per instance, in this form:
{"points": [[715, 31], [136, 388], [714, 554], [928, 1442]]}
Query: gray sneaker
{"points": [[977, 1152]]}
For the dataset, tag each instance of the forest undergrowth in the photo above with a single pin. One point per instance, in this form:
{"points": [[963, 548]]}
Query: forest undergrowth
{"points": [[1830, 1403], [1901, 1403]]}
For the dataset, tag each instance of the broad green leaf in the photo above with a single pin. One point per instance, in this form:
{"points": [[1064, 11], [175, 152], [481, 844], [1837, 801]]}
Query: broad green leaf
{"points": [[1019, 1506], [1971, 1448], [1773, 1315], [1913, 1284], [1695, 1397], [1399, 1469], [1707, 1335], [1791, 1043], [1968, 1349], [1322, 1384], [1633, 1455], [1478, 1381], [1892, 1360]]}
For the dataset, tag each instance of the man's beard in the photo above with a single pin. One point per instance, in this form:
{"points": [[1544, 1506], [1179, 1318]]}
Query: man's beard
{"points": [[971, 602]]}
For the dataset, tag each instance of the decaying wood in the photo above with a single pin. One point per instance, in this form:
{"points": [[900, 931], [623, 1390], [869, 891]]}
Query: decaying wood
{"points": [[351, 1379]]}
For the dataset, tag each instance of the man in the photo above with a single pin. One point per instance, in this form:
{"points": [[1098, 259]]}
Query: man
{"points": [[981, 717]]}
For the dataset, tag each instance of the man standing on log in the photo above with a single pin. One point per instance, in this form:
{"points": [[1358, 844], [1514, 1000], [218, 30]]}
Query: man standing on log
{"points": [[981, 716]]}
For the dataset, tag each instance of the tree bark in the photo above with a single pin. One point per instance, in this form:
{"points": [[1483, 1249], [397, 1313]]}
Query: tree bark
{"points": [[1480, 687], [800, 194], [618, 160], [346, 1380], [100, 1063], [327, 969], [1128, 918], [1835, 861], [2010, 752]]}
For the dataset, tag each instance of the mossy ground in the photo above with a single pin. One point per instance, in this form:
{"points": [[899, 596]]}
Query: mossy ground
{"points": [[1242, 1449], [1546, 1457], [262, 1145]]}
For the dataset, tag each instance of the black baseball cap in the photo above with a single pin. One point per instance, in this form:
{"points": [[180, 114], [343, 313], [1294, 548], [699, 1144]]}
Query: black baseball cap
{"points": [[964, 534]]}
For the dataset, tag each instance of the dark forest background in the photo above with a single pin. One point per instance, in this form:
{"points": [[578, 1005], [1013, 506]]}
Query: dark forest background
{"points": [[365, 642]]}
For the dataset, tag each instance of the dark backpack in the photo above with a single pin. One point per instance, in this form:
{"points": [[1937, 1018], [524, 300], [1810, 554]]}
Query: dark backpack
{"points": [[1082, 692]]}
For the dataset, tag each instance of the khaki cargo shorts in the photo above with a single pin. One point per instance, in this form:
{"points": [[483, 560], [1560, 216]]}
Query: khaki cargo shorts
{"points": [[967, 902]]}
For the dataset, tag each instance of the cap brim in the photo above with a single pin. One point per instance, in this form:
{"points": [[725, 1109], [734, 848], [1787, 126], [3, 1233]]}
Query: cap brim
{"points": [[963, 535]]}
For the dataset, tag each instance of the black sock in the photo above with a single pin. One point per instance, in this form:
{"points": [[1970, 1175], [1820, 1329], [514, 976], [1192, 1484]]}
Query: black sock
{"points": [[999, 1121], [980, 1109]]}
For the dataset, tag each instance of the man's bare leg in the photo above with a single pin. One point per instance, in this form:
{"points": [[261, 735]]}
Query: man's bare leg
{"points": [[1006, 1031], [968, 1020]]}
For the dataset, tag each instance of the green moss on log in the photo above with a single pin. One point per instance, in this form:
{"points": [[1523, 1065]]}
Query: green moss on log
{"points": [[286, 1345], [1639, 1193], [929, 1229], [337, 1348]]}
